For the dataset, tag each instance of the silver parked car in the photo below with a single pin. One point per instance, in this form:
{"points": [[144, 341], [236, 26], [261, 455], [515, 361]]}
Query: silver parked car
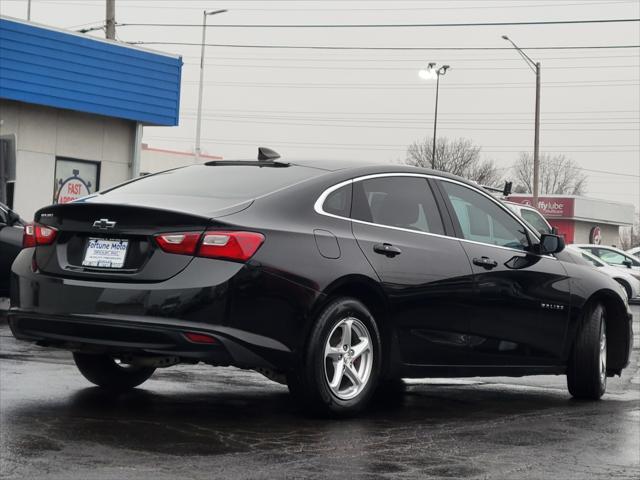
{"points": [[614, 256], [630, 284]]}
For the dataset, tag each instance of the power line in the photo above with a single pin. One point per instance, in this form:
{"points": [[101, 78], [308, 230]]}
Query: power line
{"points": [[356, 86], [364, 9], [359, 48], [324, 67], [385, 25], [395, 59]]}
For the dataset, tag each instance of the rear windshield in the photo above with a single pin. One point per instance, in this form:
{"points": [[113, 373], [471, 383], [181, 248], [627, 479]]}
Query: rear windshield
{"points": [[229, 184]]}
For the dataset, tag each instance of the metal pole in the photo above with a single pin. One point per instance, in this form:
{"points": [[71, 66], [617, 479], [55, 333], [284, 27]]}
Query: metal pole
{"points": [[111, 20], [137, 144], [536, 142], [199, 116], [435, 124], [29, 10]]}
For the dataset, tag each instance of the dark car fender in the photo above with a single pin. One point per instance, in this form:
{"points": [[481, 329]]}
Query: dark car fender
{"points": [[588, 287]]}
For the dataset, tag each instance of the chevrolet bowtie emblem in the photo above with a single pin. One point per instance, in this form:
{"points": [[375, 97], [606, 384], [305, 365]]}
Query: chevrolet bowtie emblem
{"points": [[104, 224]]}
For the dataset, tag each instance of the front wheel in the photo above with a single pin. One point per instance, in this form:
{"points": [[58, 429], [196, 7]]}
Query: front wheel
{"points": [[105, 372], [587, 368], [341, 367]]}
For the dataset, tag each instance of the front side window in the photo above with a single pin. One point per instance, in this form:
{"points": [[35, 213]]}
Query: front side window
{"points": [[402, 202], [482, 220]]}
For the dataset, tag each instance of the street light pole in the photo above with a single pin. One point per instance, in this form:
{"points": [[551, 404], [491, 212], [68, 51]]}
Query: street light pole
{"points": [[205, 14], [536, 67], [429, 74]]}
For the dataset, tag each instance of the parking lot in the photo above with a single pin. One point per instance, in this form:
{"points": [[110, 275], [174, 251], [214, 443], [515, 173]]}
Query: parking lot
{"points": [[200, 422]]}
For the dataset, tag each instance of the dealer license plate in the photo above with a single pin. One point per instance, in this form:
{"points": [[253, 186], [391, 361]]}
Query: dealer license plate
{"points": [[105, 253]]}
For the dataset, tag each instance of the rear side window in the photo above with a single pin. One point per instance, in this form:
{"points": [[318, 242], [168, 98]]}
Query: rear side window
{"points": [[403, 202], [221, 184], [339, 202]]}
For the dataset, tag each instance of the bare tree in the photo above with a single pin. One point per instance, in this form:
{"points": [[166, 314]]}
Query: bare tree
{"points": [[460, 157], [559, 175]]}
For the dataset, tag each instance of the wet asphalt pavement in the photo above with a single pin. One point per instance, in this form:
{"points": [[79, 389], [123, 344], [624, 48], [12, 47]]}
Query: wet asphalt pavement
{"points": [[199, 422]]}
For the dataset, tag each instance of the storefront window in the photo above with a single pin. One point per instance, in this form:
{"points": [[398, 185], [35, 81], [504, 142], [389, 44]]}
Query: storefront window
{"points": [[75, 179]]}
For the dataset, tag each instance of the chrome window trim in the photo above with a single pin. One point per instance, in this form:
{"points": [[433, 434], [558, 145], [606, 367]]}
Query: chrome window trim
{"points": [[323, 196]]}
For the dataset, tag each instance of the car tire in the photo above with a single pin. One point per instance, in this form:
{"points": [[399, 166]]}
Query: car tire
{"points": [[103, 371], [333, 380], [587, 367]]}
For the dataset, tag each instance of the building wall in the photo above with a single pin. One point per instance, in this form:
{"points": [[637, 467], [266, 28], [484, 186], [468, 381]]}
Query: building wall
{"points": [[610, 233], [42, 65], [154, 160], [44, 133]]}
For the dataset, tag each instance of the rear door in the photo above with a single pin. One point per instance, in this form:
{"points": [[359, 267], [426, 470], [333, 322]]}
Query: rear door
{"points": [[521, 300], [425, 274]]}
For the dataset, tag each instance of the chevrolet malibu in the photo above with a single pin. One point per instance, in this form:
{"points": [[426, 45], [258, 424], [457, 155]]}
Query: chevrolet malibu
{"points": [[338, 278]]}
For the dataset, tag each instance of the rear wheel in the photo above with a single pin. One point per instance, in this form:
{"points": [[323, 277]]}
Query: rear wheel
{"points": [[587, 369], [104, 371], [340, 370]]}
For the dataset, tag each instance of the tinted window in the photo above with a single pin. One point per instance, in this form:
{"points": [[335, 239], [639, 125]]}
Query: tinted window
{"points": [[404, 202], [220, 185], [482, 220], [339, 202], [536, 220], [4, 217]]}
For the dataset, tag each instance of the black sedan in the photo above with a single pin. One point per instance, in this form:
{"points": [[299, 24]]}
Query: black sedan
{"points": [[338, 278], [11, 233]]}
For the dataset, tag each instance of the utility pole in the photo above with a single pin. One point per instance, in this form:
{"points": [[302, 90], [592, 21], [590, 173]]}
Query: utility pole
{"points": [[536, 67], [111, 20], [536, 142], [29, 10], [205, 14], [429, 74]]}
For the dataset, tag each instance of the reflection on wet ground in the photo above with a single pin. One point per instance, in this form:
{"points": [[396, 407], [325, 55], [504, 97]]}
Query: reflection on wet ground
{"points": [[199, 422]]}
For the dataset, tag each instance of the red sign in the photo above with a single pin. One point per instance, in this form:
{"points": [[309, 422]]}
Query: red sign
{"points": [[559, 207]]}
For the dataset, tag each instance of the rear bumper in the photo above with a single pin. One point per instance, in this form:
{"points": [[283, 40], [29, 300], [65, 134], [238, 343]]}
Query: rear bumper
{"points": [[257, 317], [144, 336]]}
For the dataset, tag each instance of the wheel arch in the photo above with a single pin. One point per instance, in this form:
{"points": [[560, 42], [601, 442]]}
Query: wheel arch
{"points": [[625, 285], [369, 292], [618, 331]]}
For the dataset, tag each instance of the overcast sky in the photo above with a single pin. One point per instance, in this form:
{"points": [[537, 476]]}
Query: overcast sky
{"points": [[355, 104]]}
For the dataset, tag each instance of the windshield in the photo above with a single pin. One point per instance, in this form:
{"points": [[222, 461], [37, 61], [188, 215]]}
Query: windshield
{"points": [[534, 218]]}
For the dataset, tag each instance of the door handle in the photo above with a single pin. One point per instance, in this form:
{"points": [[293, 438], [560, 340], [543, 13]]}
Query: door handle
{"points": [[386, 249], [485, 262]]}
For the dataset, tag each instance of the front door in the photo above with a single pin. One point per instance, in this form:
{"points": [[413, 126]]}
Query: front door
{"points": [[425, 274], [521, 300]]}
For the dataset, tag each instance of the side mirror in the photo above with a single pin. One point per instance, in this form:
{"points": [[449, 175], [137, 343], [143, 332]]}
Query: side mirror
{"points": [[628, 263], [550, 243]]}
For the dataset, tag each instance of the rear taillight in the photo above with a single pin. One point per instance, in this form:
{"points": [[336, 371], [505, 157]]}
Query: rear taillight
{"points": [[182, 243], [35, 234], [230, 245], [239, 246]]}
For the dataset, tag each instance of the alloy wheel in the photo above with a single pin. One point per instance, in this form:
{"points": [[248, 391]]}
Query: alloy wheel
{"points": [[603, 354], [348, 358]]}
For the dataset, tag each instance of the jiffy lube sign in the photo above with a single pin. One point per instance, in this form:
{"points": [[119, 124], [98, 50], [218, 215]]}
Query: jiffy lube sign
{"points": [[549, 206]]}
